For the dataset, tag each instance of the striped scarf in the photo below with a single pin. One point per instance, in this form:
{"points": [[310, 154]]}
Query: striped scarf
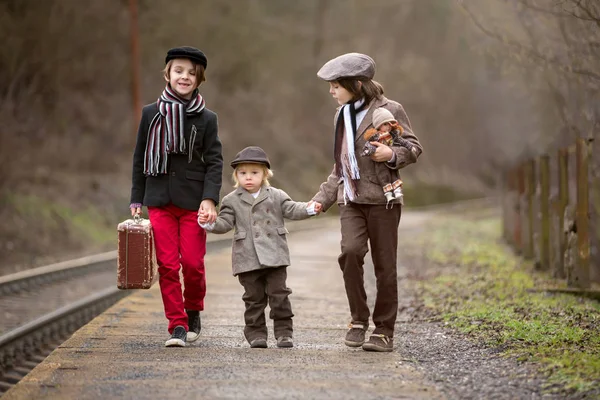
{"points": [[345, 157], [166, 134]]}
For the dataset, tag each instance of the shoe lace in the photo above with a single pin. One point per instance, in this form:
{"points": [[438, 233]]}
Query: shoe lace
{"points": [[383, 338]]}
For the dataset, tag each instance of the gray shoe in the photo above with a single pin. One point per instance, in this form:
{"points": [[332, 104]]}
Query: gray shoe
{"points": [[259, 343], [285, 341], [379, 342], [355, 337]]}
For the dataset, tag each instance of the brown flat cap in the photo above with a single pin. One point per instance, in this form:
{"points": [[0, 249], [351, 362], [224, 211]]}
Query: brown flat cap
{"points": [[251, 154], [346, 66]]}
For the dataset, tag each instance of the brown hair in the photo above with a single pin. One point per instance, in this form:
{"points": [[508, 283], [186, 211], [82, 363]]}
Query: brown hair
{"points": [[267, 173], [396, 126], [361, 87], [200, 75]]}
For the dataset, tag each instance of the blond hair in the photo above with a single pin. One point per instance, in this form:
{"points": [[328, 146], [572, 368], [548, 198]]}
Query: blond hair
{"points": [[200, 74], [267, 173]]}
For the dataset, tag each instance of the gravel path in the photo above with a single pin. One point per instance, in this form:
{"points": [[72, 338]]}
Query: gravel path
{"points": [[459, 367]]}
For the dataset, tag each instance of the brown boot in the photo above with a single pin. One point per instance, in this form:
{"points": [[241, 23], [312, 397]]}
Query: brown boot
{"points": [[379, 342], [355, 337]]}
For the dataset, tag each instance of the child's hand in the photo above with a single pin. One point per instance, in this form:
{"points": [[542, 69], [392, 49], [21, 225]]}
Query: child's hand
{"points": [[202, 217], [382, 152], [318, 207], [313, 208], [208, 207]]}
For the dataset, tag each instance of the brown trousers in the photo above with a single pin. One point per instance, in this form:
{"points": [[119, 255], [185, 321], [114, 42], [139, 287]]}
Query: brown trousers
{"points": [[359, 223], [262, 286]]}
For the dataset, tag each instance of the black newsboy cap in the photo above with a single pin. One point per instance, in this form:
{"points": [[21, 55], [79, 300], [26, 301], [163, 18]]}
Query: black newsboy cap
{"points": [[187, 52], [251, 154]]}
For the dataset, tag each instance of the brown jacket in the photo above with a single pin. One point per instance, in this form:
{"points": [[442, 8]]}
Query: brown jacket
{"points": [[369, 188], [259, 240]]}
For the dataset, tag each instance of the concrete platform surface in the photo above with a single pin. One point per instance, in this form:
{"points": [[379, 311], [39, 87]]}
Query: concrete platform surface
{"points": [[121, 353]]}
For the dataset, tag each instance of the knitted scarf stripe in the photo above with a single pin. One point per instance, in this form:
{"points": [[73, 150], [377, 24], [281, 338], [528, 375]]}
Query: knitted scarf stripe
{"points": [[166, 133], [346, 164]]}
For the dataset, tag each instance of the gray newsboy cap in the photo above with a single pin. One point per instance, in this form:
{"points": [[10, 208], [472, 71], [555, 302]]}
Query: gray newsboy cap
{"points": [[346, 66], [251, 154]]}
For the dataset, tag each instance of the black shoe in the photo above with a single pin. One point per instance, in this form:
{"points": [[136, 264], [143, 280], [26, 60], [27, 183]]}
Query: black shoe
{"points": [[177, 337], [194, 325]]}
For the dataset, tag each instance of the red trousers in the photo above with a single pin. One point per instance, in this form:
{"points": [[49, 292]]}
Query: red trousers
{"points": [[180, 243]]}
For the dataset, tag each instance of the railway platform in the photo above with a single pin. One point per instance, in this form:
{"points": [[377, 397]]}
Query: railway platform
{"points": [[121, 353]]}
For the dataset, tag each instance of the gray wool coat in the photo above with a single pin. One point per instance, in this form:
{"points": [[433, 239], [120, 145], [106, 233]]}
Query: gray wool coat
{"points": [[259, 239], [368, 187]]}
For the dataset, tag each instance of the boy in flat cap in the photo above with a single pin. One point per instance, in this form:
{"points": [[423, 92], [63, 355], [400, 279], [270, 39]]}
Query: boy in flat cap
{"points": [[260, 254], [354, 186], [177, 167]]}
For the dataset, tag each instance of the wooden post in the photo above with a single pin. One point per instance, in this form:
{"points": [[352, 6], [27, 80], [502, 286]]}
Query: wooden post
{"points": [[508, 210], [135, 62], [518, 226], [563, 201], [529, 192], [581, 274], [544, 237], [504, 194]]}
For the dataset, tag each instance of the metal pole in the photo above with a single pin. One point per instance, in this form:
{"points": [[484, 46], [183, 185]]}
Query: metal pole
{"points": [[135, 61]]}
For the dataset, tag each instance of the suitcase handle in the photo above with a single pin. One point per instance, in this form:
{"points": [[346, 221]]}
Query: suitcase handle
{"points": [[137, 218]]}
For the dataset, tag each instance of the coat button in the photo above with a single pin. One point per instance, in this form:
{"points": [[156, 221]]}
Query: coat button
{"points": [[256, 234], [268, 222], [268, 235], [172, 173]]}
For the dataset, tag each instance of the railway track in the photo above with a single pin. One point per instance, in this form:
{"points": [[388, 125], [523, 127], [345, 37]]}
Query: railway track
{"points": [[42, 307]]}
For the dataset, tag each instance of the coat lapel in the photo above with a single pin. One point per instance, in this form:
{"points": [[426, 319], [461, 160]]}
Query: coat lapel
{"points": [[245, 196], [366, 122], [264, 193]]}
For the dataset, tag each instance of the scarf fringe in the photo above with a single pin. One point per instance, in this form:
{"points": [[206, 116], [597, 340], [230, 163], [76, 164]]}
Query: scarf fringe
{"points": [[349, 169]]}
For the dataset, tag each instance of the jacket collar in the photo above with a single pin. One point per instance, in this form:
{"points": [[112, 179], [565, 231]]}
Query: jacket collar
{"points": [[368, 119], [247, 197]]}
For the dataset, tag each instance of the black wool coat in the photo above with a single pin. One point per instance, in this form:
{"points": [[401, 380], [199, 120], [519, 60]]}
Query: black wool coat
{"points": [[191, 177]]}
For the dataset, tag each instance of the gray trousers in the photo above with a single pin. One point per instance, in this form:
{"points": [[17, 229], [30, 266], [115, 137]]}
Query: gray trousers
{"points": [[379, 226], [261, 287]]}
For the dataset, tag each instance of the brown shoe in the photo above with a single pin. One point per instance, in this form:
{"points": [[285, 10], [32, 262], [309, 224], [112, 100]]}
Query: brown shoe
{"points": [[379, 343], [355, 337], [258, 343], [285, 341]]}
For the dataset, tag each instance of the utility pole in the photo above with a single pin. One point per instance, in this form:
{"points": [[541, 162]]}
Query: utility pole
{"points": [[135, 61]]}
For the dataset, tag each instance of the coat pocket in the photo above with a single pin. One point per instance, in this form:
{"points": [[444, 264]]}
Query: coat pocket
{"points": [[282, 230], [239, 235], [195, 175]]}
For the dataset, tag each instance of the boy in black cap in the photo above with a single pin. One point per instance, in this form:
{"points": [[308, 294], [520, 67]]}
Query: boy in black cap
{"points": [[177, 167], [260, 253]]}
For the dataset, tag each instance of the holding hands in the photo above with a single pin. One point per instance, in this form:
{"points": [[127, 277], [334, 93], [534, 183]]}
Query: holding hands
{"points": [[314, 208], [207, 214], [207, 211]]}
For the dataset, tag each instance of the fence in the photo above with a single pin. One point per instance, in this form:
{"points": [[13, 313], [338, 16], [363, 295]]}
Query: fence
{"points": [[550, 212]]}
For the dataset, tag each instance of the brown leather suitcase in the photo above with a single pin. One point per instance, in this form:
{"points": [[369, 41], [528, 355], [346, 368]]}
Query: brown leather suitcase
{"points": [[136, 256]]}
